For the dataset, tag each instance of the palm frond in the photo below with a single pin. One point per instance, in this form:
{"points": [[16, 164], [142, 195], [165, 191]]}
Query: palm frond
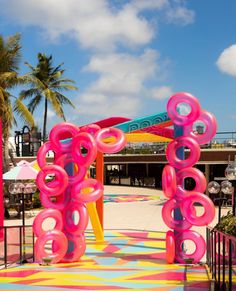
{"points": [[7, 76], [23, 112], [64, 100], [63, 87], [52, 98], [26, 94], [58, 68], [29, 66], [64, 80], [45, 80], [34, 103], [33, 81], [55, 76], [10, 53]]}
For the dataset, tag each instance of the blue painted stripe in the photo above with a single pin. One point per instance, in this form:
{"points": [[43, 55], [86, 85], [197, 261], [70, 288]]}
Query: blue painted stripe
{"points": [[142, 122]]}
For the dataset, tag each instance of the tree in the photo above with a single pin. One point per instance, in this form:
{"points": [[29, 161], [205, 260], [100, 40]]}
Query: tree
{"points": [[10, 55], [46, 83]]}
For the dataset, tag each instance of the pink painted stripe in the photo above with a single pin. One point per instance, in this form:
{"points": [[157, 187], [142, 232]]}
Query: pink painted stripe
{"points": [[81, 287]]}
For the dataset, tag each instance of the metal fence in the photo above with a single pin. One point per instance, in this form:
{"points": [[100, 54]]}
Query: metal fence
{"points": [[16, 245], [149, 182], [27, 144], [221, 259]]}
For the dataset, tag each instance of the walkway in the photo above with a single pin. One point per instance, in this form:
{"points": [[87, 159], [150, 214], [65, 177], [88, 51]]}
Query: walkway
{"points": [[131, 258], [128, 260]]}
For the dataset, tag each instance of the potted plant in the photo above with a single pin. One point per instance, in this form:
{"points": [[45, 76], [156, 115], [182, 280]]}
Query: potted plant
{"points": [[227, 224]]}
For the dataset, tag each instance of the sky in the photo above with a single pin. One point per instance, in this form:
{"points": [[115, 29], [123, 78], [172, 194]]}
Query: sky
{"points": [[128, 57]]}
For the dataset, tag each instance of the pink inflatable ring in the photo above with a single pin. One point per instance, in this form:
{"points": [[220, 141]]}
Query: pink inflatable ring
{"points": [[199, 242], [62, 131], [196, 175], [169, 181], [111, 147], [79, 171], [55, 187], [78, 194], [205, 201], [90, 128], [60, 201], [44, 214], [42, 153], [56, 236], [84, 140], [167, 209], [79, 247], [187, 98], [68, 218], [210, 123], [188, 142]]}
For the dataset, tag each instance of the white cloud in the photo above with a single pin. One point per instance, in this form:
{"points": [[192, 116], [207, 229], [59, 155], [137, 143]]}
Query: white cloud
{"points": [[179, 14], [115, 106], [95, 24], [160, 93], [122, 74], [92, 22], [226, 62], [149, 4], [120, 89], [105, 28]]}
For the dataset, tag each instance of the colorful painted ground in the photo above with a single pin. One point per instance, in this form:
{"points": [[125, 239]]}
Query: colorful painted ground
{"points": [[125, 261], [117, 198]]}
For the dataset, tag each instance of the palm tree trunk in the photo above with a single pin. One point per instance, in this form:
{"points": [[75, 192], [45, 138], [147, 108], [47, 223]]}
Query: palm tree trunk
{"points": [[45, 119], [6, 160]]}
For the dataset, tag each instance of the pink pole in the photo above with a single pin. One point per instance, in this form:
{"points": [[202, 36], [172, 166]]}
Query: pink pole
{"points": [[1, 181]]}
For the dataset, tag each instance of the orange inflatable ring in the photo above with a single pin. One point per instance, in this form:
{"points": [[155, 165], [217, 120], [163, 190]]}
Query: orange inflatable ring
{"points": [[170, 247]]}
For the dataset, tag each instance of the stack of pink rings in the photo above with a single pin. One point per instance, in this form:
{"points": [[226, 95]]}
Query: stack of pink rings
{"points": [[63, 195], [177, 171]]}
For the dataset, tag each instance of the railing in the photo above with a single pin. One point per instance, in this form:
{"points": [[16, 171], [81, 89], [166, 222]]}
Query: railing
{"points": [[220, 141], [149, 182], [225, 139], [16, 245], [29, 146], [221, 259]]}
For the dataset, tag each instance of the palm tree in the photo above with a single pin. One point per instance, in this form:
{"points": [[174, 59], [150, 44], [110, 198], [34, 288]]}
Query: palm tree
{"points": [[10, 54], [46, 83]]}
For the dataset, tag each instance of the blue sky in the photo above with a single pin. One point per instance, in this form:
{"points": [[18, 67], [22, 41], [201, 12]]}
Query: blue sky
{"points": [[129, 57]]}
